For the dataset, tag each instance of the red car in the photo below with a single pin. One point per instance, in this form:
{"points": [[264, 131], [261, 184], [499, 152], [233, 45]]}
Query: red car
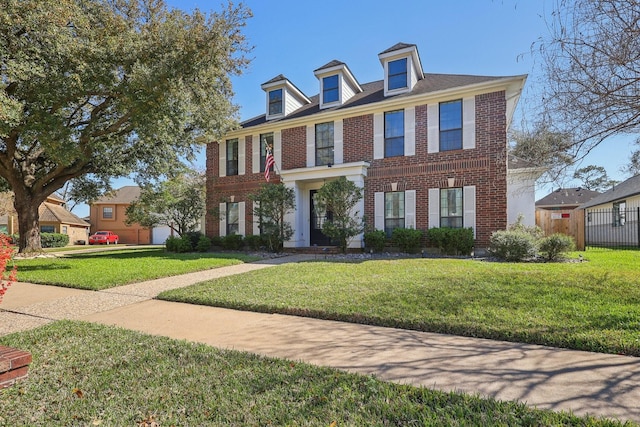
{"points": [[105, 237]]}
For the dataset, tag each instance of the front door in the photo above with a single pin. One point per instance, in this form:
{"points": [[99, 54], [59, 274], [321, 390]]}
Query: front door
{"points": [[318, 217]]}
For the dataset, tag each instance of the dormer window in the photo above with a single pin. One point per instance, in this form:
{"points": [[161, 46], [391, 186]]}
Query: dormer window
{"points": [[275, 102], [330, 91], [398, 74]]}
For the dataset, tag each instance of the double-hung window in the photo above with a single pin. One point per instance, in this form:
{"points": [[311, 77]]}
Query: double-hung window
{"points": [[451, 213], [324, 144], [266, 140], [232, 157], [275, 102], [451, 125], [330, 91], [393, 211], [394, 133], [107, 212], [397, 74], [619, 213], [233, 218]]}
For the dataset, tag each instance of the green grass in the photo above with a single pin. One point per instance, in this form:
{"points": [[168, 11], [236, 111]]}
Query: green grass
{"points": [[101, 270], [86, 375], [593, 305]]}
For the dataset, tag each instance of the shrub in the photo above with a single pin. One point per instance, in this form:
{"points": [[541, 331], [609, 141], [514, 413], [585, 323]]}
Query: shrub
{"points": [[204, 244], [216, 241], [535, 231], [194, 238], [407, 239], [171, 243], [54, 240], [510, 245], [178, 244], [452, 241], [554, 246], [232, 242], [254, 242], [375, 240]]}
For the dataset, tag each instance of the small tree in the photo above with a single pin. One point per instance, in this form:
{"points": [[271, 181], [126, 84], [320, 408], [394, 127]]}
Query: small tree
{"points": [[178, 203], [273, 203], [340, 198], [594, 178]]}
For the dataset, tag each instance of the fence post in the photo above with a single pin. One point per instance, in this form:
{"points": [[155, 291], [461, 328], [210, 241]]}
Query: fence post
{"points": [[638, 223]]}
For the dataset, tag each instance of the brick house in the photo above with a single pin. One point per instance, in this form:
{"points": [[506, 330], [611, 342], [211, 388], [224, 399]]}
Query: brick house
{"points": [[430, 150]]}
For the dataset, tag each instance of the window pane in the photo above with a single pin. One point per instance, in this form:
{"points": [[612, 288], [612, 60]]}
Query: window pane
{"points": [[451, 125], [451, 209], [330, 89], [107, 213], [266, 139], [398, 74], [275, 101], [232, 156], [394, 133], [232, 218], [324, 143], [394, 205]]}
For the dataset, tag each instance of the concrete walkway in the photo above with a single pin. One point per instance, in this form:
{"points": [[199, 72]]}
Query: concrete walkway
{"points": [[581, 382]]}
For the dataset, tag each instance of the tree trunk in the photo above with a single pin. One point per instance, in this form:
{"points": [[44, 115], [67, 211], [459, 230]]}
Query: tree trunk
{"points": [[28, 224]]}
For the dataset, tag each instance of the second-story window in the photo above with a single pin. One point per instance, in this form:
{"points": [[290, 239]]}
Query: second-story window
{"points": [[330, 91], [232, 156], [397, 74], [107, 212], [324, 144], [451, 125], [275, 102], [394, 133], [266, 140]]}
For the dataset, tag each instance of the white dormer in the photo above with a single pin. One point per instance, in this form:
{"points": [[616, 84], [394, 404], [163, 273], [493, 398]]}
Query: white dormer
{"points": [[402, 68], [337, 84], [283, 97]]}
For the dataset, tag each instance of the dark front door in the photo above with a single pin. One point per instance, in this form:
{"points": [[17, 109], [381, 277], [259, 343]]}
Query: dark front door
{"points": [[318, 217]]}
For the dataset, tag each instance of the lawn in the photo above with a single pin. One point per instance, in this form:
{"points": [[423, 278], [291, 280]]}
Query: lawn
{"points": [[101, 270], [91, 375], [592, 305]]}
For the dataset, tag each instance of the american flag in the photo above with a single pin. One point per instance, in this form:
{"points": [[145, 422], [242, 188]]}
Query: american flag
{"points": [[268, 164]]}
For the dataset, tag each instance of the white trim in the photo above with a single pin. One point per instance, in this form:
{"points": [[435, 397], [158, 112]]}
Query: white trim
{"points": [[469, 205], [242, 155], [311, 145], [318, 173], [338, 144], [242, 220], [223, 219], [434, 207], [277, 149], [410, 209], [378, 207], [410, 131], [378, 135], [222, 158], [255, 153], [433, 128], [469, 123]]}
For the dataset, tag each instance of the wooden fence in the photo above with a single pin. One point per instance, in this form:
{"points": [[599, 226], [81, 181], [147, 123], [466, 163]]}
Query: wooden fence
{"points": [[569, 222]]}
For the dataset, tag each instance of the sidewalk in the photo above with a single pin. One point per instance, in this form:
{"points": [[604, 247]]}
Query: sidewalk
{"points": [[581, 382]]}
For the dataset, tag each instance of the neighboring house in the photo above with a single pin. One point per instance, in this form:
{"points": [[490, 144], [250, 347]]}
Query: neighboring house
{"points": [[611, 218], [556, 212], [54, 218], [429, 150], [566, 199], [108, 213]]}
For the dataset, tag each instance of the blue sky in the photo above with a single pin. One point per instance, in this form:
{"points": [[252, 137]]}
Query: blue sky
{"points": [[484, 37]]}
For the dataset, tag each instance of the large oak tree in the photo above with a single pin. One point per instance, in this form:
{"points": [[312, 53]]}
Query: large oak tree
{"points": [[108, 88]]}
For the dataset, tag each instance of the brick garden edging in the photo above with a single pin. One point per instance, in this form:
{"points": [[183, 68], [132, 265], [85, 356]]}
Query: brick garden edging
{"points": [[14, 365]]}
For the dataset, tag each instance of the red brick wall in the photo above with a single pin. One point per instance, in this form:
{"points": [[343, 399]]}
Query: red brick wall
{"points": [[484, 166]]}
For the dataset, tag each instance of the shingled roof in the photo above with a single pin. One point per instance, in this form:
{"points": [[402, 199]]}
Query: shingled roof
{"points": [[628, 188], [570, 197], [51, 212], [124, 195], [374, 92]]}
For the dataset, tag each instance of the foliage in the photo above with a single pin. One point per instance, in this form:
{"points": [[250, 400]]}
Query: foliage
{"points": [[512, 245], [107, 269], [254, 241], [232, 242], [179, 245], [204, 244], [83, 189], [554, 246], [633, 167], [592, 69], [589, 305], [407, 239], [594, 178], [109, 89], [272, 203], [535, 231], [375, 240], [178, 203], [6, 255], [452, 241], [194, 384], [54, 240], [340, 197]]}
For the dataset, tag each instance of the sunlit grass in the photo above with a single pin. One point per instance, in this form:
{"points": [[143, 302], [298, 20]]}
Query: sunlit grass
{"points": [[592, 305]]}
